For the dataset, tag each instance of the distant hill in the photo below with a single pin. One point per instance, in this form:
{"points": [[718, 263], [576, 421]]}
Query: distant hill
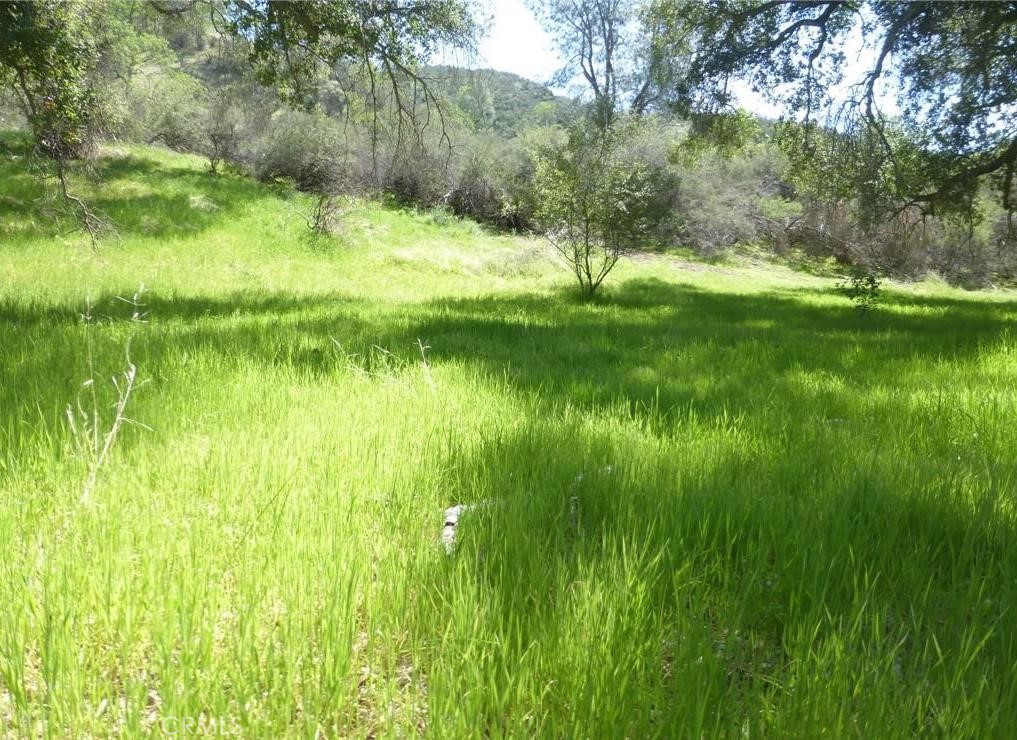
{"points": [[493, 101], [500, 101]]}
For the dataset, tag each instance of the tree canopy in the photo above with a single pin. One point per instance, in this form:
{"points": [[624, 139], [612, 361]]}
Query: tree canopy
{"points": [[50, 51], [289, 40], [617, 49], [938, 97]]}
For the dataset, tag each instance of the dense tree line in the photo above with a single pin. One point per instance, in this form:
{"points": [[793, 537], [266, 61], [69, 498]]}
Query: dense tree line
{"points": [[650, 153]]}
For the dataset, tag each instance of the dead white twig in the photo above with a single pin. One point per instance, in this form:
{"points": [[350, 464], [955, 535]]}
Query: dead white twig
{"points": [[86, 425], [427, 366]]}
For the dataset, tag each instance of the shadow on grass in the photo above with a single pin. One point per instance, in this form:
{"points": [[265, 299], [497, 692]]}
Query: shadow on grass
{"points": [[647, 344], [46, 348], [115, 308], [655, 343], [139, 196], [763, 553], [713, 593], [809, 532], [972, 305]]}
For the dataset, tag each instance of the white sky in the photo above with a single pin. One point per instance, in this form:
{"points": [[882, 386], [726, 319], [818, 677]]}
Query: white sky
{"points": [[515, 42]]}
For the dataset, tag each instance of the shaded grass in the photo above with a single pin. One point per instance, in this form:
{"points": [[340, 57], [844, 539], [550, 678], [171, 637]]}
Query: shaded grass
{"points": [[720, 503]]}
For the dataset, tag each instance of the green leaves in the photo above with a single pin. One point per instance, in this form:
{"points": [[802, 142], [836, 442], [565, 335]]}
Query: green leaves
{"points": [[863, 288], [597, 199], [292, 43], [945, 70], [48, 53]]}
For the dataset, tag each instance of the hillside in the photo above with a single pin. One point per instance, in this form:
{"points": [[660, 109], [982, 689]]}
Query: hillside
{"points": [[500, 101], [718, 501], [489, 100]]}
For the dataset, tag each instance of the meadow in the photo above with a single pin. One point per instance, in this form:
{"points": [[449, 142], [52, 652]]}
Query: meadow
{"points": [[718, 501]]}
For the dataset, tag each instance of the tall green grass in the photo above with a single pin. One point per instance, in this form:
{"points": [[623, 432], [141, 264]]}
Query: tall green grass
{"points": [[719, 502]]}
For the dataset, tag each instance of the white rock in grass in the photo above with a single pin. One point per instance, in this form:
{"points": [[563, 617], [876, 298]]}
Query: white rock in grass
{"points": [[451, 521], [448, 530]]}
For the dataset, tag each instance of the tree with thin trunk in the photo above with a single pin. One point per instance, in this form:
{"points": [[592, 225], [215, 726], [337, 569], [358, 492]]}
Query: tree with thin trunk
{"points": [[615, 49], [598, 200], [48, 54]]}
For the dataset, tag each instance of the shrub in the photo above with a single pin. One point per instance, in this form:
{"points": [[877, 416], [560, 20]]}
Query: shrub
{"points": [[863, 287], [303, 147], [492, 183], [729, 198], [597, 201], [222, 135], [326, 213], [169, 107], [416, 176]]}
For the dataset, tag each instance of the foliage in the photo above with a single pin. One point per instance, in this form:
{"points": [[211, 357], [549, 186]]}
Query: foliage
{"points": [[862, 287], [499, 102], [47, 55], [222, 130], [596, 201], [169, 107], [726, 134], [376, 46], [615, 49], [327, 211], [52, 55], [292, 145], [62, 58], [290, 40], [728, 197], [844, 187], [416, 175], [185, 26], [179, 73], [952, 63], [492, 182]]}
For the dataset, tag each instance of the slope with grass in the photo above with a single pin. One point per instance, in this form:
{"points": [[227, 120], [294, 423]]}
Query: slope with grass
{"points": [[720, 501]]}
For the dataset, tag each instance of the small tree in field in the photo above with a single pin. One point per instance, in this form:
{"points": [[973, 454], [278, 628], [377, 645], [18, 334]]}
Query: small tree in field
{"points": [[596, 200]]}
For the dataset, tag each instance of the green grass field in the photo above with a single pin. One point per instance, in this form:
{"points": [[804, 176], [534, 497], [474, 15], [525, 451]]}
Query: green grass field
{"points": [[720, 502]]}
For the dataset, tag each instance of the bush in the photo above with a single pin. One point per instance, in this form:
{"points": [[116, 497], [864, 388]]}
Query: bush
{"points": [[169, 107], [862, 287], [326, 213], [729, 198], [417, 176], [491, 184], [305, 148]]}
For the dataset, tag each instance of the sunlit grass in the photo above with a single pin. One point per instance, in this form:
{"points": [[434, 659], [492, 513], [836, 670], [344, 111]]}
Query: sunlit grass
{"points": [[719, 501]]}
